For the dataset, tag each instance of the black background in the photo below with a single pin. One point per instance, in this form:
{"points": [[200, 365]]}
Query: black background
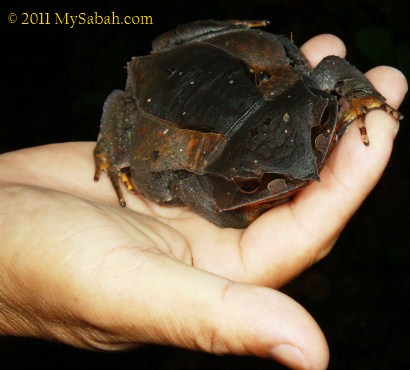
{"points": [[53, 82]]}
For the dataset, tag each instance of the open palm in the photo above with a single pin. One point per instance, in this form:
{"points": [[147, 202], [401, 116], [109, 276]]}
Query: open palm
{"points": [[78, 268]]}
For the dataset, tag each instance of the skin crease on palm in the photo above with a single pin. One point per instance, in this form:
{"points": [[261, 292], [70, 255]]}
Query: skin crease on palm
{"points": [[76, 267]]}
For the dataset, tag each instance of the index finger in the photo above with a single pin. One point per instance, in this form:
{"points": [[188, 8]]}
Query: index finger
{"points": [[321, 46]]}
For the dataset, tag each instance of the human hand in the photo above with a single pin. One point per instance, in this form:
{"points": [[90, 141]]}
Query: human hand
{"points": [[77, 268]]}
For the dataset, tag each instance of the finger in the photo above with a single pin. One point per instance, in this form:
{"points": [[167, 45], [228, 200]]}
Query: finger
{"points": [[321, 46], [291, 237], [167, 302], [389, 81]]}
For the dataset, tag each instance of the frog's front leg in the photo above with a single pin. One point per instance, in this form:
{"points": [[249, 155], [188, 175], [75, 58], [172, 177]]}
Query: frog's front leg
{"points": [[334, 74], [112, 151]]}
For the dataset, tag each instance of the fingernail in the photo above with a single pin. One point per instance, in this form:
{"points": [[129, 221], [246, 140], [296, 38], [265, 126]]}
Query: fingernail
{"points": [[289, 356]]}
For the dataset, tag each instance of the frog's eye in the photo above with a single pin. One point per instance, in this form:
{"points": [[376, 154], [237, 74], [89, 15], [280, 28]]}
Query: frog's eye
{"points": [[247, 186], [265, 76]]}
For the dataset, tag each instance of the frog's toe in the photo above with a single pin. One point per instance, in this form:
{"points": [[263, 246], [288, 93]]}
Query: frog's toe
{"points": [[100, 159], [360, 106], [103, 163]]}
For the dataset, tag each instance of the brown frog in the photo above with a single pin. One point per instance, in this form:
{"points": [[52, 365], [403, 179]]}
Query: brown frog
{"points": [[228, 120]]}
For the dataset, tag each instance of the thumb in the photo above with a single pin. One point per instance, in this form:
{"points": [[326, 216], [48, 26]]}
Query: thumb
{"points": [[168, 302]]}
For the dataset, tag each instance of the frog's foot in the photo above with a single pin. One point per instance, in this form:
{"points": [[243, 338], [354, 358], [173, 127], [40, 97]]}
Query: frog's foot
{"points": [[102, 163], [358, 109]]}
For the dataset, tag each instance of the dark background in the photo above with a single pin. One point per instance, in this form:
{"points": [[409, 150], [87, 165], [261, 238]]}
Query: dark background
{"points": [[53, 82]]}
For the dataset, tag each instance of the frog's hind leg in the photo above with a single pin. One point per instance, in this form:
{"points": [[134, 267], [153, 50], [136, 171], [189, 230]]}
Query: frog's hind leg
{"points": [[111, 154], [201, 30], [334, 74]]}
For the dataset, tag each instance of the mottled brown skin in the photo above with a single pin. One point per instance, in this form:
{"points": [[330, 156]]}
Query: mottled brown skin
{"points": [[227, 120]]}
